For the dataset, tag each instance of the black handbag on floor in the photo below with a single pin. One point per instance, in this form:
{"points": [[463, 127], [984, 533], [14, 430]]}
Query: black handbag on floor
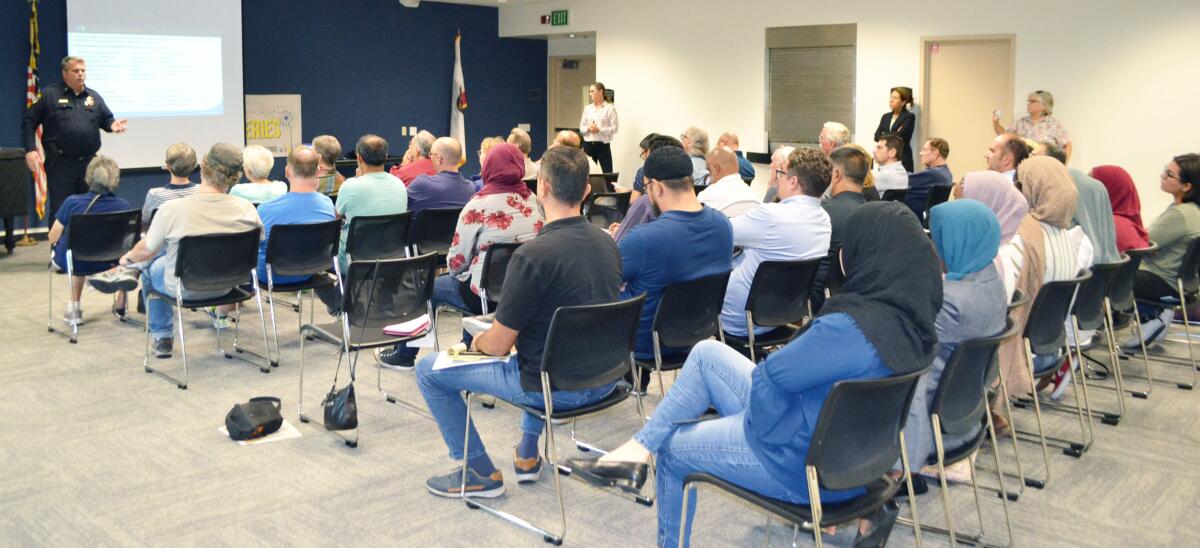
{"points": [[254, 419], [341, 409]]}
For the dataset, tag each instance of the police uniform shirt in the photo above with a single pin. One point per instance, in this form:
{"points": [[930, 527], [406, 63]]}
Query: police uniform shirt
{"points": [[69, 121]]}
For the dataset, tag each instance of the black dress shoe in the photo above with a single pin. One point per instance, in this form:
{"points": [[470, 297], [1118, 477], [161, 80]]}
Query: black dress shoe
{"points": [[627, 476], [882, 522]]}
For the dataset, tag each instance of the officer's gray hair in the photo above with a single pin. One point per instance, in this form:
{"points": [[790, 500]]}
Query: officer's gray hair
{"points": [[70, 60], [102, 175]]}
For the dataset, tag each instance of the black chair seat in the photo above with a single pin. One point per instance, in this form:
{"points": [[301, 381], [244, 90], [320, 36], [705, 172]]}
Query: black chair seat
{"points": [[878, 492], [371, 337], [1189, 299], [775, 337], [324, 279], [236, 295], [670, 362], [619, 394], [963, 451]]}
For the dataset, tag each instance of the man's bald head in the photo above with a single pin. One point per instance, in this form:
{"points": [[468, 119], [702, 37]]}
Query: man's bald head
{"points": [[568, 138], [729, 139], [722, 162], [447, 153], [301, 170]]}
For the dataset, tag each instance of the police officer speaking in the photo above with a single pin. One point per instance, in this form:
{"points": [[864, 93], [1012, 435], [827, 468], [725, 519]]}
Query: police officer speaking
{"points": [[71, 116]]}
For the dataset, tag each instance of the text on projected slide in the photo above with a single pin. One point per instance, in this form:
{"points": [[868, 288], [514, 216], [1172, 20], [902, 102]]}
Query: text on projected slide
{"points": [[144, 75]]}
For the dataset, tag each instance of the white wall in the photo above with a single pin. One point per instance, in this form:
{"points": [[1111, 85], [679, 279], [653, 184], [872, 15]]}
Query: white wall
{"points": [[1122, 73], [583, 46]]}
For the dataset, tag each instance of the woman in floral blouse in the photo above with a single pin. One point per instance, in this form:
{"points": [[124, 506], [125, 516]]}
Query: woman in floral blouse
{"points": [[1040, 125], [503, 211]]}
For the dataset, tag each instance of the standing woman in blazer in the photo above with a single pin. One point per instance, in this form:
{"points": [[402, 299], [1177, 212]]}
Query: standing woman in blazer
{"points": [[900, 121]]}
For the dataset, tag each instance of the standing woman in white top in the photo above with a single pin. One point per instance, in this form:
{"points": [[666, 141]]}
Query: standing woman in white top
{"points": [[1040, 125], [599, 125]]}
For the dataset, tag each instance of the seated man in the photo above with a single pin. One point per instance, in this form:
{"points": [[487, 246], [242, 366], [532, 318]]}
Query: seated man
{"points": [[779, 160], [544, 274], [416, 159], [102, 177], [745, 168], [933, 156], [795, 229], [849, 168], [728, 193], [180, 163], [688, 241], [695, 143], [302, 205], [211, 210], [568, 138], [446, 189], [641, 210], [524, 143], [889, 171], [1005, 153]]}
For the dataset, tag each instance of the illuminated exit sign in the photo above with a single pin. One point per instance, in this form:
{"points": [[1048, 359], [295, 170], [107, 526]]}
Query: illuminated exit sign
{"points": [[559, 18]]}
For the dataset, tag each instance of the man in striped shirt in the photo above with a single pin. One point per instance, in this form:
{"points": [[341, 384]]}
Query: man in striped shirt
{"points": [[181, 162]]}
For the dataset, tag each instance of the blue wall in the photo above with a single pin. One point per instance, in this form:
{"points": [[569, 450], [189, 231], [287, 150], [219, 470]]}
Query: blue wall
{"points": [[368, 66]]}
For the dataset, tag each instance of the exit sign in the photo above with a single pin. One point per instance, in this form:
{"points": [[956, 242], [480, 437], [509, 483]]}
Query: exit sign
{"points": [[559, 18]]}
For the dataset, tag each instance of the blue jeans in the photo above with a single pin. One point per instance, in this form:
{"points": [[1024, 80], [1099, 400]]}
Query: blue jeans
{"points": [[160, 318], [714, 376], [501, 378], [445, 292]]}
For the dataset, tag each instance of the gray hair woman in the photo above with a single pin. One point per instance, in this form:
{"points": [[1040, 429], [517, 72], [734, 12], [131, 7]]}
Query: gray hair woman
{"points": [[1040, 125], [257, 163], [102, 177]]}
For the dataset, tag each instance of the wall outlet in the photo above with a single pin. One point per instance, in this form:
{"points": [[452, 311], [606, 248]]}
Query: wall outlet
{"points": [[524, 127]]}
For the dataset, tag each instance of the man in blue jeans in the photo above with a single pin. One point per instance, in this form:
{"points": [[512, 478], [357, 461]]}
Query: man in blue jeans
{"points": [[545, 274]]}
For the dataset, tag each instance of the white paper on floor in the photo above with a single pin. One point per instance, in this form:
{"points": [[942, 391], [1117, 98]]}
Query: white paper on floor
{"points": [[286, 432]]}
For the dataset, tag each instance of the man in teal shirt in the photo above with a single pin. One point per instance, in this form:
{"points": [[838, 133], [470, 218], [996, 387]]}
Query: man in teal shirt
{"points": [[372, 191]]}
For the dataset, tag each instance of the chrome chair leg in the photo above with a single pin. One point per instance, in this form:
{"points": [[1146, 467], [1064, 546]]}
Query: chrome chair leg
{"points": [[912, 495], [941, 458]]}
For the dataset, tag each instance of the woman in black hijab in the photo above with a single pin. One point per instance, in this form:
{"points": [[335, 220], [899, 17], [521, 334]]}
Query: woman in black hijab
{"points": [[881, 325]]}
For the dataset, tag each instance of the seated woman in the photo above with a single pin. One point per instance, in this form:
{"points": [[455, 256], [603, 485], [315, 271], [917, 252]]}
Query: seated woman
{"points": [[1126, 207], [877, 327], [257, 163], [967, 237], [102, 177], [995, 191], [1173, 231], [1047, 250], [503, 211]]}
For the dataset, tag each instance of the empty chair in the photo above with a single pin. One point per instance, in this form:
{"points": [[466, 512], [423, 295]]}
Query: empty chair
{"points": [[211, 263], [778, 297], [93, 237], [938, 194], [376, 294], [1123, 312], [1091, 313], [432, 231], [371, 237], [606, 208], [300, 250], [894, 195]]}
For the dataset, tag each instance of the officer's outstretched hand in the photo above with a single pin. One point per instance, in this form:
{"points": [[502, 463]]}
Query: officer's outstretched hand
{"points": [[119, 126], [33, 159]]}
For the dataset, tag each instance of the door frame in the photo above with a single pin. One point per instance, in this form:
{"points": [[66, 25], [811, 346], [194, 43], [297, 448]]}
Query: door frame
{"points": [[924, 56]]}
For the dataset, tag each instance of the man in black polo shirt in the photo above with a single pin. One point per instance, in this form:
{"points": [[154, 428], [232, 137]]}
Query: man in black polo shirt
{"points": [[570, 263], [71, 116]]}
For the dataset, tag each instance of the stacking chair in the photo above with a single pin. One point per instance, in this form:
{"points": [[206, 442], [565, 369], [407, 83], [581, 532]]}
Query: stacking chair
{"points": [[491, 284], [531, 183], [938, 195], [373, 237], [959, 406], [586, 346], [212, 262], [1123, 313], [894, 195], [300, 250], [376, 294], [606, 208], [99, 237], [858, 438], [778, 297], [1092, 311], [834, 277], [688, 312], [433, 230], [1045, 333], [1187, 284]]}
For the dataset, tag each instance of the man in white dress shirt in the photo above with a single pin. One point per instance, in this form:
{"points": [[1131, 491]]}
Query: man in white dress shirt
{"points": [[729, 194], [889, 173], [598, 126]]}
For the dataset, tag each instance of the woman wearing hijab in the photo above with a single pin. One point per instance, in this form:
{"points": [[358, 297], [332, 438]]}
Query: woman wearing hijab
{"points": [[1173, 231], [503, 211], [1126, 207], [1050, 250], [876, 328], [995, 191], [967, 237]]}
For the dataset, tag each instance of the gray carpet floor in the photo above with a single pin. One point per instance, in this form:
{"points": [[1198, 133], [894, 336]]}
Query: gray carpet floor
{"points": [[97, 452]]}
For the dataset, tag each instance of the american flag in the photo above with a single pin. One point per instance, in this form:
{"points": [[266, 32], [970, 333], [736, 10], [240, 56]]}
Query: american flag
{"points": [[32, 94]]}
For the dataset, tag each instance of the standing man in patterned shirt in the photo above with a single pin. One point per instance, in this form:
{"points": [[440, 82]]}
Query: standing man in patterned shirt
{"points": [[71, 115], [599, 125]]}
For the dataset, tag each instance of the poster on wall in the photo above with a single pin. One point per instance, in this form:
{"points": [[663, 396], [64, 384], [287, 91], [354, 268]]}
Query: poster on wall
{"points": [[273, 121]]}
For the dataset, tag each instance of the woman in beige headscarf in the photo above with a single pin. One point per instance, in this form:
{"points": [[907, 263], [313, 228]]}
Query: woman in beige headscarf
{"points": [[1049, 250]]}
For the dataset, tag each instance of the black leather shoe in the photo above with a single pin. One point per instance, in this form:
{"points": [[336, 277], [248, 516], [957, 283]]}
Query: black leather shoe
{"points": [[882, 522], [627, 476]]}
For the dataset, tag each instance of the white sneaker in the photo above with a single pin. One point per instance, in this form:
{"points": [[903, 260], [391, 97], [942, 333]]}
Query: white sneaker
{"points": [[73, 313]]}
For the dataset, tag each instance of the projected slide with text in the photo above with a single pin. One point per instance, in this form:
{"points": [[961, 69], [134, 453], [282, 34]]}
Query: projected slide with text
{"points": [[151, 75]]}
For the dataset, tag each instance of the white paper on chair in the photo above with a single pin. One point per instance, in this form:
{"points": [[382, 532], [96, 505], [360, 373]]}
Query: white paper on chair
{"points": [[286, 432], [423, 342], [445, 361]]}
